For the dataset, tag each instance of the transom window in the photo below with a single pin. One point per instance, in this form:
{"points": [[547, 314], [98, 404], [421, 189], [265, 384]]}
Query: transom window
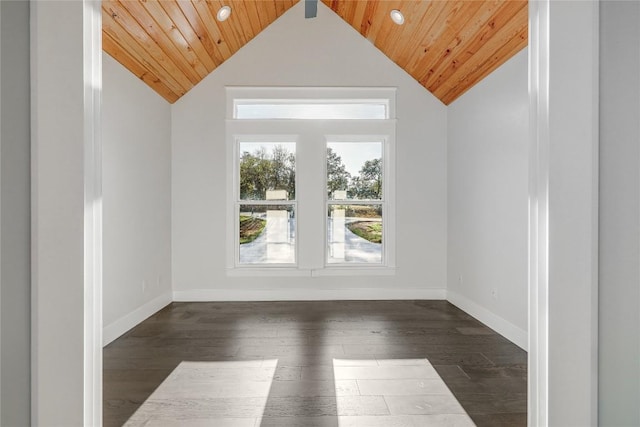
{"points": [[312, 109], [312, 188]]}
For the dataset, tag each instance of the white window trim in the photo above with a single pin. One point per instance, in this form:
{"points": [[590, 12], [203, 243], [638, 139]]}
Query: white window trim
{"points": [[289, 131], [245, 94]]}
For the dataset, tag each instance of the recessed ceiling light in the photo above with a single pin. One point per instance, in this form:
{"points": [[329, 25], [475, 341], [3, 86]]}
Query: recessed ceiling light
{"points": [[223, 13], [397, 16]]}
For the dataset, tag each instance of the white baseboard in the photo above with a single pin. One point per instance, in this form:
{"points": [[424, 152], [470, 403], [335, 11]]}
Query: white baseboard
{"points": [[513, 333], [305, 294], [505, 328], [122, 325]]}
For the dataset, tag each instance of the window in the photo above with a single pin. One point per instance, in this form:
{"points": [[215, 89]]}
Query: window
{"points": [[266, 202], [312, 110], [355, 202], [313, 179]]}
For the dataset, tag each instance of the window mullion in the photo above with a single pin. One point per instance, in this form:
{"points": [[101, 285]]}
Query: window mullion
{"points": [[355, 202]]}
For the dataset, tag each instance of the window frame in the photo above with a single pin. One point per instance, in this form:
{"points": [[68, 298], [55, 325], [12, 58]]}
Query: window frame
{"points": [[310, 135], [293, 95], [238, 201], [310, 102], [384, 140]]}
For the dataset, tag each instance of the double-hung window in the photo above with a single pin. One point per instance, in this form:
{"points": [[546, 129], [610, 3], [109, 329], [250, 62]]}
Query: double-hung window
{"points": [[355, 202], [312, 188], [266, 203]]}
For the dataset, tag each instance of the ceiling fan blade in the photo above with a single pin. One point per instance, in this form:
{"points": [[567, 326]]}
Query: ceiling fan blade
{"points": [[310, 8]]}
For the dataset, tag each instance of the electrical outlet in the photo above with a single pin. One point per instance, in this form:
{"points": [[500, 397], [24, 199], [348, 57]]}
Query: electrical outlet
{"points": [[494, 293], [460, 280]]}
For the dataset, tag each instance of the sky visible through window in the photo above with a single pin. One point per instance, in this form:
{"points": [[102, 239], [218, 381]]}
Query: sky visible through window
{"points": [[252, 147], [355, 154], [313, 111]]}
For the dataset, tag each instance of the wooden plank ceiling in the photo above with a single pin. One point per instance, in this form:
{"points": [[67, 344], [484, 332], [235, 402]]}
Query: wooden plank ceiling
{"points": [[446, 45]]}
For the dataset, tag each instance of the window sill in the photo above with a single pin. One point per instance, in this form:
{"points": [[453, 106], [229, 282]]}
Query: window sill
{"points": [[354, 271], [323, 272]]}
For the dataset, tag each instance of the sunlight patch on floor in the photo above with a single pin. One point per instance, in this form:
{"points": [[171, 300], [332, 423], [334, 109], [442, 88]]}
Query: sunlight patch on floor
{"points": [[228, 393], [343, 393], [413, 392]]}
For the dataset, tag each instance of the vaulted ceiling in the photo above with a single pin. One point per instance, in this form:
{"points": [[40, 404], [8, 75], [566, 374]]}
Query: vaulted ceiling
{"points": [[446, 45]]}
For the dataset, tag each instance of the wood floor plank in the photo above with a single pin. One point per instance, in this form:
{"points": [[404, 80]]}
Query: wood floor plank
{"points": [[208, 372], [488, 385], [413, 387], [257, 407], [371, 421], [310, 359], [286, 350], [203, 422], [431, 404], [439, 420], [510, 371], [385, 372], [314, 364], [323, 388], [319, 406], [324, 421], [501, 420], [494, 403]]}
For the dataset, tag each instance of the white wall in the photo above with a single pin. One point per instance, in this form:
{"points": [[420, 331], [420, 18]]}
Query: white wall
{"points": [[619, 334], [307, 52], [136, 138], [16, 219], [487, 179], [0, 220], [58, 124], [568, 173]]}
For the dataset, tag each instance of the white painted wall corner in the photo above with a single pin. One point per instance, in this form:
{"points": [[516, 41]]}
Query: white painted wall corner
{"points": [[505, 328], [117, 328]]}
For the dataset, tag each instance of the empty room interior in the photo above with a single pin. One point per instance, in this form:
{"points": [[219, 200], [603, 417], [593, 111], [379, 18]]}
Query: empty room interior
{"points": [[323, 213]]}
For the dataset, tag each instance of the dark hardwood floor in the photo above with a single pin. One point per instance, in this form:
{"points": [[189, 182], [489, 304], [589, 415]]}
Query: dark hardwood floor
{"points": [[318, 359]]}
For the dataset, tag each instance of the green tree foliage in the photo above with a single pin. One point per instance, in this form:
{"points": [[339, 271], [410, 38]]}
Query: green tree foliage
{"points": [[265, 170], [282, 169], [371, 179], [368, 185], [337, 175]]}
